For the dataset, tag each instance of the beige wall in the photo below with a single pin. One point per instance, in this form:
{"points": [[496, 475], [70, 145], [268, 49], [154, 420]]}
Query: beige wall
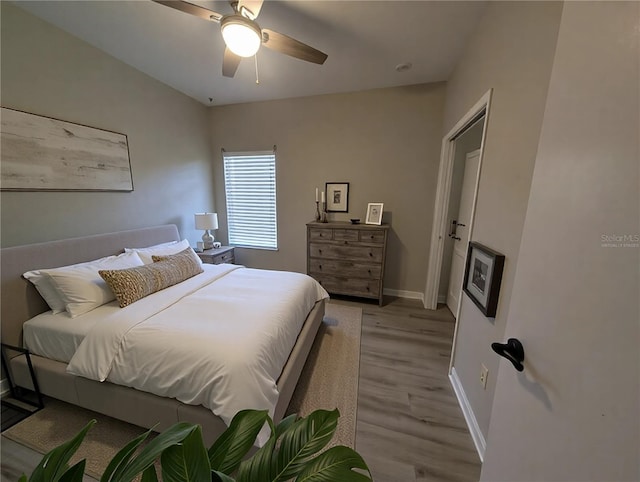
{"points": [[47, 71], [385, 142], [512, 52]]}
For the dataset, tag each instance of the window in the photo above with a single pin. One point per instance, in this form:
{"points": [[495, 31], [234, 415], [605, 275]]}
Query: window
{"points": [[250, 188]]}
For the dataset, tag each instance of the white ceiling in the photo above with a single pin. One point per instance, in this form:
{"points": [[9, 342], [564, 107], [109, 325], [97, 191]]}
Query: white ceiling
{"points": [[364, 40]]}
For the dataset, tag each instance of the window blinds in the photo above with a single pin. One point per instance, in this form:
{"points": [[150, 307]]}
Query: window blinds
{"points": [[250, 187]]}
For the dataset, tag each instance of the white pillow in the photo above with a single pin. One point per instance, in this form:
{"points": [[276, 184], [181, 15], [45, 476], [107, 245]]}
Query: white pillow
{"points": [[81, 287], [46, 289], [159, 250]]}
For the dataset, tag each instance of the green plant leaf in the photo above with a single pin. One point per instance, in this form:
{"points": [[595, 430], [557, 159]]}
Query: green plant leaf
{"points": [[149, 474], [120, 460], [260, 462], [220, 477], [172, 436], [302, 440], [75, 473], [23, 478], [54, 463], [259, 466], [228, 451], [188, 461], [335, 464], [285, 423], [292, 445]]}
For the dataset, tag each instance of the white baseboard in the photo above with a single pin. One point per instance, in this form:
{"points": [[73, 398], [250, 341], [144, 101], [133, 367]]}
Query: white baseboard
{"points": [[412, 295], [472, 423], [4, 387]]}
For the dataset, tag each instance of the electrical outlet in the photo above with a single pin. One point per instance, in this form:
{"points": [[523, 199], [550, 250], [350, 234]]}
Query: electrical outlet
{"points": [[484, 374]]}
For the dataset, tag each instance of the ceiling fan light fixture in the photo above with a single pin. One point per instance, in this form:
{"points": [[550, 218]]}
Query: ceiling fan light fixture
{"points": [[242, 36]]}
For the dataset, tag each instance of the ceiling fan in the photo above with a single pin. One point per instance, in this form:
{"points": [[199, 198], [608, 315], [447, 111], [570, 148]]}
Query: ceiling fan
{"points": [[243, 36]]}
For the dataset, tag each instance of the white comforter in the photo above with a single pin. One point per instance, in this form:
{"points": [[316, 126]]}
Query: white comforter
{"points": [[219, 339]]}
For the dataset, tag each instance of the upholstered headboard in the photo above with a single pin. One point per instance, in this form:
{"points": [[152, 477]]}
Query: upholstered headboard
{"points": [[21, 301]]}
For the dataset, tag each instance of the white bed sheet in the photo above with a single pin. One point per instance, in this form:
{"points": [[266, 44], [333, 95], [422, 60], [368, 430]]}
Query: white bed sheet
{"points": [[219, 339], [59, 336]]}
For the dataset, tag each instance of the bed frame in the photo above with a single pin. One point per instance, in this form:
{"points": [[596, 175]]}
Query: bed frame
{"points": [[21, 301]]}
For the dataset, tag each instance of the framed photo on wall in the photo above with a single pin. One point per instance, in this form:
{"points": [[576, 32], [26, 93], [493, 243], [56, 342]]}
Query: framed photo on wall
{"points": [[482, 277], [337, 197], [374, 213], [45, 154]]}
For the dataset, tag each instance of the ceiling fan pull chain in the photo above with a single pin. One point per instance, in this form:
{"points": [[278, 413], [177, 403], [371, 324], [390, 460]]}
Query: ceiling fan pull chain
{"points": [[256, 59]]}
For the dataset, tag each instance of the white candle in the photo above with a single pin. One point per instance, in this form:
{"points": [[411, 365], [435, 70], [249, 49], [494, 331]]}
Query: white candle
{"points": [[316, 194], [322, 196]]}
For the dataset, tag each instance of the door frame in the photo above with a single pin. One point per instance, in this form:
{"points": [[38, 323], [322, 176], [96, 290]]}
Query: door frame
{"points": [[443, 191]]}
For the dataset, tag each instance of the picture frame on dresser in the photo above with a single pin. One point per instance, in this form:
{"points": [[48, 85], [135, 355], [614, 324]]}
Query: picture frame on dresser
{"points": [[374, 213], [337, 197]]}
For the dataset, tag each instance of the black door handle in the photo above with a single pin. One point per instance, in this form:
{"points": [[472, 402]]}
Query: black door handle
{"points": [[512, 350]]}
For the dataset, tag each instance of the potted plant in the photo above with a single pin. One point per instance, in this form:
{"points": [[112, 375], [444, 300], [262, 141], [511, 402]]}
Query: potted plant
{"points": [[293, 452]]}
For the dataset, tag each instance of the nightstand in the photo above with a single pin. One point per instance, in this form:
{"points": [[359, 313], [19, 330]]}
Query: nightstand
{"points": [[221, 255]]}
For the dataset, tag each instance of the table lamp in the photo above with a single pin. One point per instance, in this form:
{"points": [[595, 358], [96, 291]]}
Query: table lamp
{"points": [[207, 221]]}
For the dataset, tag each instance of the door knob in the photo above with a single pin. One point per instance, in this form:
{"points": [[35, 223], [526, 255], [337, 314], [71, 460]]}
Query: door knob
{"points": [[454, 228], [512, 350]]}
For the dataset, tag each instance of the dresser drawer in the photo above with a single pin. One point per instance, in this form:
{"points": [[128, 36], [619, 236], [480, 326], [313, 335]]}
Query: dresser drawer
{"points": [[348, 269], [356, 253], [372, 236], [345, 235], [226, 258], [350, 286], [316, 234]]}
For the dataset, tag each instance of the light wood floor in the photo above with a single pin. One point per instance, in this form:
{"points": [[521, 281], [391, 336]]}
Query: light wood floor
{"points": [[409, 424]]}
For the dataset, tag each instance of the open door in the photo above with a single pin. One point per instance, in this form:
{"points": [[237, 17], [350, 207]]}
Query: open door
{"points": [[476, 117], [573, 414]]}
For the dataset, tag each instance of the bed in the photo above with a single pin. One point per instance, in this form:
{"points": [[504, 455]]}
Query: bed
{"points": [[121, 396]]}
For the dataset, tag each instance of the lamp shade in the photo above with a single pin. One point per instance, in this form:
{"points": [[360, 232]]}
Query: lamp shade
{"points": [[242, 36], [206, 220]]}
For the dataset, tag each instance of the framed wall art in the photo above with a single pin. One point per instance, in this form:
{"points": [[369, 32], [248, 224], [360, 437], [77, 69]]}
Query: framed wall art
{"points": [[45, 154], [374, 213], [482, 277], [337, 197]]}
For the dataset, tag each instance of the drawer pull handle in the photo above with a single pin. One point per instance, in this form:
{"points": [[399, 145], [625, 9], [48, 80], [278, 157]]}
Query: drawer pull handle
{"points": [[320, 251], [346, 242], [367, 288], [371, 236], [319, 266], [371, 254], [369, 271]]}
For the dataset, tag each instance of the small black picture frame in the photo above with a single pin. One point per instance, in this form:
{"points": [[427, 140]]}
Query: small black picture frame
{"points": [[482, 277], [337, 197]]}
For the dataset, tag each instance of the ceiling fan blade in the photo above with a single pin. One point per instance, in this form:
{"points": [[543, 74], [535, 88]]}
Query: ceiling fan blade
{"points": [[250, 8], [289, 46], [230, 63], [192, 9]]}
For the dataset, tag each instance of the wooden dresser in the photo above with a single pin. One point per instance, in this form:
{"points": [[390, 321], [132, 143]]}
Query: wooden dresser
{"points": [[347, 259]]}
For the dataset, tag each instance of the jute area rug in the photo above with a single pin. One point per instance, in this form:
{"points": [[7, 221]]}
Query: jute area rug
{"points": [[329, 380]]}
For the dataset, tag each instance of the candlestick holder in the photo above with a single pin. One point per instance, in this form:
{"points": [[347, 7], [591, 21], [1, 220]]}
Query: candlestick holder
{"points": [[318, 211], [323, 216]]}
